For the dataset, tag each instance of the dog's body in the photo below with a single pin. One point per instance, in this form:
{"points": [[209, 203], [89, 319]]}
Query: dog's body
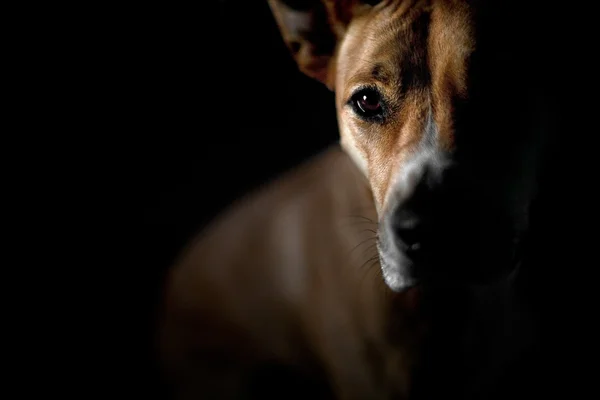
{"points": [[294, 275], [288, 277]]}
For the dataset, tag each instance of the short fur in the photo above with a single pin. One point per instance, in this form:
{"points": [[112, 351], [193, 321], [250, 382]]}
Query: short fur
{"points": [[455, 147]]}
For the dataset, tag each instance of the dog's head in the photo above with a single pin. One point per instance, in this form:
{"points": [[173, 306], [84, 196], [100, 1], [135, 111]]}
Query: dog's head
{"points": [[430, 103]]}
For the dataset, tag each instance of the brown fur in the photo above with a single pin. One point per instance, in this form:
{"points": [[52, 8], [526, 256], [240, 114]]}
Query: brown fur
{"points": [[276, 278], [429, 40], [287, 276]]}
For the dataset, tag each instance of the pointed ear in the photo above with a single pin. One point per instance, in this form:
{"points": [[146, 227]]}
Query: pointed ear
{"points": [[306, 31]]}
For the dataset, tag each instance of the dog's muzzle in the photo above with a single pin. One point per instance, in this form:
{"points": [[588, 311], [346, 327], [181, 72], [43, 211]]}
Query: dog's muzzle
{"points": [[445, 233]]}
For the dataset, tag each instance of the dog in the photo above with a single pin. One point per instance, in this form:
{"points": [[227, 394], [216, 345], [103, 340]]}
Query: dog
{"points": [[305, 293], [433, 181]]}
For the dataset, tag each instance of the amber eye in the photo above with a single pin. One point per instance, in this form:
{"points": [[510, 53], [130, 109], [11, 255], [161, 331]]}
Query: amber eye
{"points": [[367, 103]]}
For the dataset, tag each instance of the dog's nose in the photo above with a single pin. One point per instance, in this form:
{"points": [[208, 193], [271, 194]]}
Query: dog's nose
{"points": [[410, 231], [411, 220]]}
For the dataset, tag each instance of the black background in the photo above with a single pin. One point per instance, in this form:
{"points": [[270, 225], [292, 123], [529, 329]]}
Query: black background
{"points": [[206, 105], [188, 107]]}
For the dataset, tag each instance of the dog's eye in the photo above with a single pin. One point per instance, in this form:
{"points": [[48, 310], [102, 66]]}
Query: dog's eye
{"points": [[367, 103]]}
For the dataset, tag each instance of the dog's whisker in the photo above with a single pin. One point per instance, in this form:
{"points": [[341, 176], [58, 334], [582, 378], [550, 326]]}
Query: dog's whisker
{"points": [[360, 244], [369, 269], [371, 246], [355, 224], [361, 217], [374, 258]]}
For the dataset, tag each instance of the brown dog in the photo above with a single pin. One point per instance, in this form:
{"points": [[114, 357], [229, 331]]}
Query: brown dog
{"points": [[429, 199], [305, 292]]}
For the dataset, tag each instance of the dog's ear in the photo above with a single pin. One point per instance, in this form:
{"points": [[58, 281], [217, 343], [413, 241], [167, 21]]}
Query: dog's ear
{"points": [[306, 30]]}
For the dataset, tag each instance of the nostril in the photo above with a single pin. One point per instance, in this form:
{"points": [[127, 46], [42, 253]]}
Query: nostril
{"points": [[410, 238], [408, 230], [413, 248]]}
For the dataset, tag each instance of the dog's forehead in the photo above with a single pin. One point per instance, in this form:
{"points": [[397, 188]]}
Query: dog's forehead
{"points": [[376, 46], [384, 42]]}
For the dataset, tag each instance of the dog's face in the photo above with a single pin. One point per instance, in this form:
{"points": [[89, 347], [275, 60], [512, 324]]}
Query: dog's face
{"points": [[425, 112]]}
